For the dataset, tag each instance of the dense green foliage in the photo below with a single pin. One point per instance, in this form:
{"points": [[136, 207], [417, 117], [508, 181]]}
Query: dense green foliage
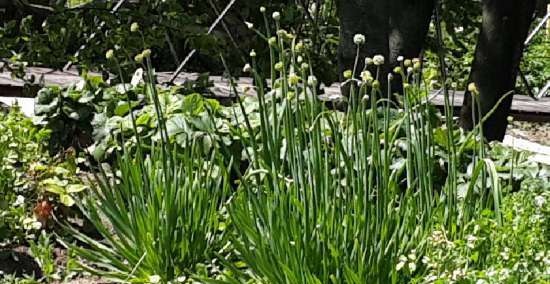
{"points": [[32, 184]]}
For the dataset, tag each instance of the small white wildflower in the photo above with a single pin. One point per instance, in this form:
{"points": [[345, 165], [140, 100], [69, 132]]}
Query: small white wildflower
{"points": [[412, 266], [399, 265], [378, 60], [154, 279], [299, 59], [459, 30], [366, 76], [247, 68], [249, 25], [540, 201], [470, 241], [20, 200], [359, 39], [262, 9], [292, 243], [253, 53], [276, 16], [400, 59]]}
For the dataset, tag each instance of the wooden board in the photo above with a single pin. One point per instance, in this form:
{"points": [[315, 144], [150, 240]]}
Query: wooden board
{"points": [[523, 107]]}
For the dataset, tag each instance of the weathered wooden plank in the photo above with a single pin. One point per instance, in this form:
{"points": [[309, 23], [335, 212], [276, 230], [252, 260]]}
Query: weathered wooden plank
{"points": [[523, 107]]}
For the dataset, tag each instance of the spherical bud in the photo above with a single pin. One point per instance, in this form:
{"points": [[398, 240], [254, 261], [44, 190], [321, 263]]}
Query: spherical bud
{"points": [[454, 85], [398, 70], [378, 60], [407, 63], [359, 39], [253, 53], [305, 66], [417, 66], [279, 66], [400, 58], [110, 54], [249, 25], [366, 77], [348, 74], [390, 76], [299, 59], [276, 16], [134, 27], [410, 70], [510, 119], [368, 61], [262, 9], [146, 53], [376, 84], [312, 81], [293, 79], [247, 68], [272, 41], [472, 88], [139, 58]]}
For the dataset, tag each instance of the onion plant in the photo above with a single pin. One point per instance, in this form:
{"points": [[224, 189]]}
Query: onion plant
{"points": [[158, 216], [334, 197]]}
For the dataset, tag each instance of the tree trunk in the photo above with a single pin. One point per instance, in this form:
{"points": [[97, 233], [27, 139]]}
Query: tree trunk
{"points": [[392, 28], [409, 23], [369, 18], [498, 53]]}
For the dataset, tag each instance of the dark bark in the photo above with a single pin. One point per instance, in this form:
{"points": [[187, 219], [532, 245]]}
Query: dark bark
{"points": [[409, 24], [498, 53], [392, 28], [369, 18]]}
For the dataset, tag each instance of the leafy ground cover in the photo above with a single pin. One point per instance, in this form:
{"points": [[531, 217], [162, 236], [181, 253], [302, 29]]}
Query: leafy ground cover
{"points": [[275, 188]]}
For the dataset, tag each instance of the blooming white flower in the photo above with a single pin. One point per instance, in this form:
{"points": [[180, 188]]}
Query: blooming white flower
{"points": [[400, 59], [262, 9], [378, 60], [20, 200], [249, 25], [368, 61], [412, 266], [153, 279], [252, 53], [470, 241], [276, 16], [359, 39], [247, 68], [540, 201]]}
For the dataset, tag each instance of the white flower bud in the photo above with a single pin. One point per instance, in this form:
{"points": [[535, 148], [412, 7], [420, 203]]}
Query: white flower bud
{"points": [[359, 39]]}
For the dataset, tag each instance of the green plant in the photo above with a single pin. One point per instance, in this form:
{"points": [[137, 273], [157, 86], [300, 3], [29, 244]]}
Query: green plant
{"points": [[160, 215], [42, 251], [334, 197], [33, 185]]}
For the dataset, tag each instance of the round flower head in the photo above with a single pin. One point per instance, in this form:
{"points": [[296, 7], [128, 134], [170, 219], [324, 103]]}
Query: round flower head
{"points": [[348, 74], [146, 53], [276, 16], [279, 66], [262, 9], [407, 63], [272, 41], [376, 84], [400, 59], [249, 25], [299, 47], [472, 88], [139, 58], [366, 76], [378, 60], [247, 68], [109, 54], [312, 81], [134, 27], [253, 53], [305, 66], [368, 61], [398, 70], [359, 39], [293, 79]]}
